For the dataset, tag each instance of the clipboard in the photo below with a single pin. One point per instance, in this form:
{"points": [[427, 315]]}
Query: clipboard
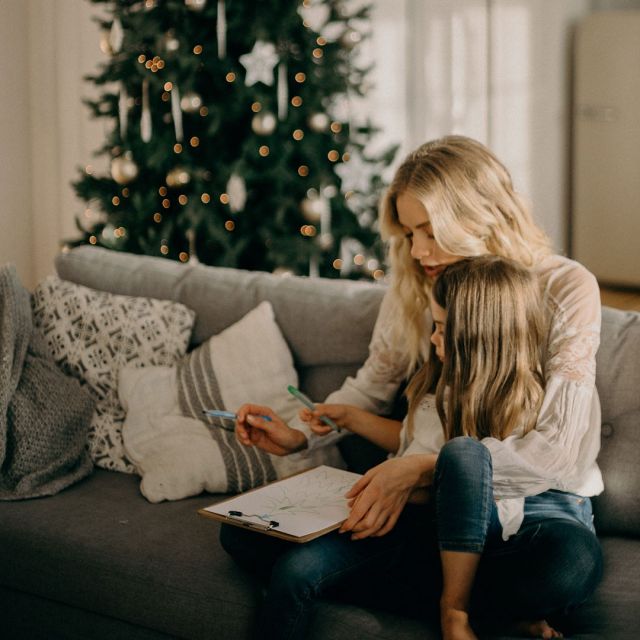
{"points": [[299, 508]]}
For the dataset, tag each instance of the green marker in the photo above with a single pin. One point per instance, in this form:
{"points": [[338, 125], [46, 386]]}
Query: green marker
{"points": [[307, 403]]}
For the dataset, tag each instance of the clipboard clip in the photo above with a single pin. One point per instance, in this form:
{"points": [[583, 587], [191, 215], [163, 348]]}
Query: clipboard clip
{"points": [[265, 525]]}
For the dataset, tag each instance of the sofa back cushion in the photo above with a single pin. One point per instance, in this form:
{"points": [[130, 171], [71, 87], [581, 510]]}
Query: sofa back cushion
{"points": [[617, 510], [326, 323]]}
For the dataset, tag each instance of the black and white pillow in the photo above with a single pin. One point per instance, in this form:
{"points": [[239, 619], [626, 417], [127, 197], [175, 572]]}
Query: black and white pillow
{"points": [[92, 335]]}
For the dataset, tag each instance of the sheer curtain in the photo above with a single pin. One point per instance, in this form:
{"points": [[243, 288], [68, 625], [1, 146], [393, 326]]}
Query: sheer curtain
{"points": [[496, 70]]}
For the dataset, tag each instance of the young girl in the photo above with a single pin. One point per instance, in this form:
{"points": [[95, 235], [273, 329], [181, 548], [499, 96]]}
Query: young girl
{"points": [[452, 198]]}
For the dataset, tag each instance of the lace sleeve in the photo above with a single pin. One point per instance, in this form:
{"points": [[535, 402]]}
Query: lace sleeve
{"points": [[544, 457]]}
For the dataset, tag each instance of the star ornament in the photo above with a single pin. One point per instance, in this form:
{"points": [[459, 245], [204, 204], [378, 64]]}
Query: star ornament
{"points": [[260, 63], [354, 174]]}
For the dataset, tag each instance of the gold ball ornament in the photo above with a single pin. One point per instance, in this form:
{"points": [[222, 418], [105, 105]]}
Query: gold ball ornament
{"points": [[178, 177], [319, 122], [195, 5], [190, 102], [123, 169], [264, 123]]}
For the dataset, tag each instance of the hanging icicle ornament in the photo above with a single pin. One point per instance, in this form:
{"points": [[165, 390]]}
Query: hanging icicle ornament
{"points": [[145, 117], [123, 111], [221, 30], [176, 113], [282, 91], [237, 191], [116, 36], [191, 239], [314, 14], [123, 169], [264, 123], [260, 63]]}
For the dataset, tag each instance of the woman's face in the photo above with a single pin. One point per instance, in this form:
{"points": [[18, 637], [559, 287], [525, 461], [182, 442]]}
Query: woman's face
{"points": [[417, 226], [437, 337]]}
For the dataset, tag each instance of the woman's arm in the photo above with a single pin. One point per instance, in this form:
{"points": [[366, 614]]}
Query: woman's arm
{"points": [[383, 432], [376, 383], [545, 457], [378, 498]]}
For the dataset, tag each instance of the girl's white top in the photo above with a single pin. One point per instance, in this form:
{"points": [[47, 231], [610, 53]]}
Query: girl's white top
{"points": [[560, 453]]}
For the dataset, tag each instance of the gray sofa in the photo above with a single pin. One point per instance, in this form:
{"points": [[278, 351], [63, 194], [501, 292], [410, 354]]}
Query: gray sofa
{"points": [[99, 561]]}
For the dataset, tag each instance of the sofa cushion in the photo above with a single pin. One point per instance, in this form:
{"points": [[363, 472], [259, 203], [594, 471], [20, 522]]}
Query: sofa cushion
{"points": [[180, 452], [342, 312], [617, 510], [91, 335], [618, 384]]}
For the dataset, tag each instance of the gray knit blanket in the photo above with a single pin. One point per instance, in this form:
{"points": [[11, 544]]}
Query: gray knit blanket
{"points": [[44, 414]]}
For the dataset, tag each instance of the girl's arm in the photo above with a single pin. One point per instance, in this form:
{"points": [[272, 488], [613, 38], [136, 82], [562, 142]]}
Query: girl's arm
{"points": [[383, 432], [566, 438]]}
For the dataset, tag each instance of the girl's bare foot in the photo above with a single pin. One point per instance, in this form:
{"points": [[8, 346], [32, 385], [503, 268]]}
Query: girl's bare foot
{"points": [[455, 625], [537, 629]]}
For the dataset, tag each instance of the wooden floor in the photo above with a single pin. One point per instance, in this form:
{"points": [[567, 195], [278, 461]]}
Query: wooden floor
{"points": [[620, 298]]}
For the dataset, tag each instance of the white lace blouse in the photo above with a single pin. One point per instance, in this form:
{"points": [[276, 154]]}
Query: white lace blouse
{"points": [[560, 453]]}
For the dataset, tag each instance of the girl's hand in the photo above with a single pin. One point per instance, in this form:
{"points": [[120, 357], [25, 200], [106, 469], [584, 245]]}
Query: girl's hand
{"points": [[339, 413], [378, 498], [273, 436]]}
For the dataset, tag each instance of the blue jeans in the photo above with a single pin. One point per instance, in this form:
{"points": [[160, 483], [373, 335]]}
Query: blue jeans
{"points": [[551, 565]]}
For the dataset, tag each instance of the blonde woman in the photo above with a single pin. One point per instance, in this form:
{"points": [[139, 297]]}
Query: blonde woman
{"points": [[450, 199]]}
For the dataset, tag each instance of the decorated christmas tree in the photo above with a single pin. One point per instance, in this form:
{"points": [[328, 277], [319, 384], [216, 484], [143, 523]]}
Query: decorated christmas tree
{"points": [[233, 140]]}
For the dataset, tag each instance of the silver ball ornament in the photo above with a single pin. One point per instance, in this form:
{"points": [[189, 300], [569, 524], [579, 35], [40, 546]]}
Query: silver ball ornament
{"points": [[171, 43], [264, 123], [123, 169], [190, 102], [314, 208], [319, 122], [350, 38], [195, 5], [178, 177], [325, 241]]}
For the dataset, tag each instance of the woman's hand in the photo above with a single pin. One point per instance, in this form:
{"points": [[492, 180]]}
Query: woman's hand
{"points": [[378, 498], [339, 413], [274, 436]]}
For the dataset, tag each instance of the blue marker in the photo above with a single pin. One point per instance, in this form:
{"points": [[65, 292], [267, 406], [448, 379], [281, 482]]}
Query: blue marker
{"points": [[307, 403], [227, 415]]}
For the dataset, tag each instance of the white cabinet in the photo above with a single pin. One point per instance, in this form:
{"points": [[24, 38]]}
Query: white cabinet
{"points": [[606, 147]]}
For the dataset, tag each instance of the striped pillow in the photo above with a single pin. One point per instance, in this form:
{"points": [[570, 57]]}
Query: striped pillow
{"points": [[178, 451]]}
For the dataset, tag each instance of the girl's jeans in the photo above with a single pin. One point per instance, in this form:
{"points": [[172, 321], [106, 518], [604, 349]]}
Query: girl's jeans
{"points": [[552, 564]]}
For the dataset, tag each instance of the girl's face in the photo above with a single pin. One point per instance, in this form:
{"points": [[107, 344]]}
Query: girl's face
{"points": [[415, 221], [437, 337]]}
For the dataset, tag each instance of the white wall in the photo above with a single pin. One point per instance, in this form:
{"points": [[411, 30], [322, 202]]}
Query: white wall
{"points": [[498, 70], [15, 179]]}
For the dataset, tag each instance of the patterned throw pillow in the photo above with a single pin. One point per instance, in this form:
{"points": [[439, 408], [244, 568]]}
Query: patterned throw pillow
{"points": [[181, 453], [92, 334]]}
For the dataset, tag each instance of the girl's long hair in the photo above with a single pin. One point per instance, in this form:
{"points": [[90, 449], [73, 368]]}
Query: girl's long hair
{"points": [[491, 379], [474, 210]]}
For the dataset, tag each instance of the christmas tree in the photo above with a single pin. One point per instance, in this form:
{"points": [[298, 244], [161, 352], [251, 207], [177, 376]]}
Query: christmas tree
{"points": [[232, 139]]}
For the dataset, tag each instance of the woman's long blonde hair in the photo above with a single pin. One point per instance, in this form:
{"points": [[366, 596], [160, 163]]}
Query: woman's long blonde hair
{"points": [[473, 209], [493, 339]]}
